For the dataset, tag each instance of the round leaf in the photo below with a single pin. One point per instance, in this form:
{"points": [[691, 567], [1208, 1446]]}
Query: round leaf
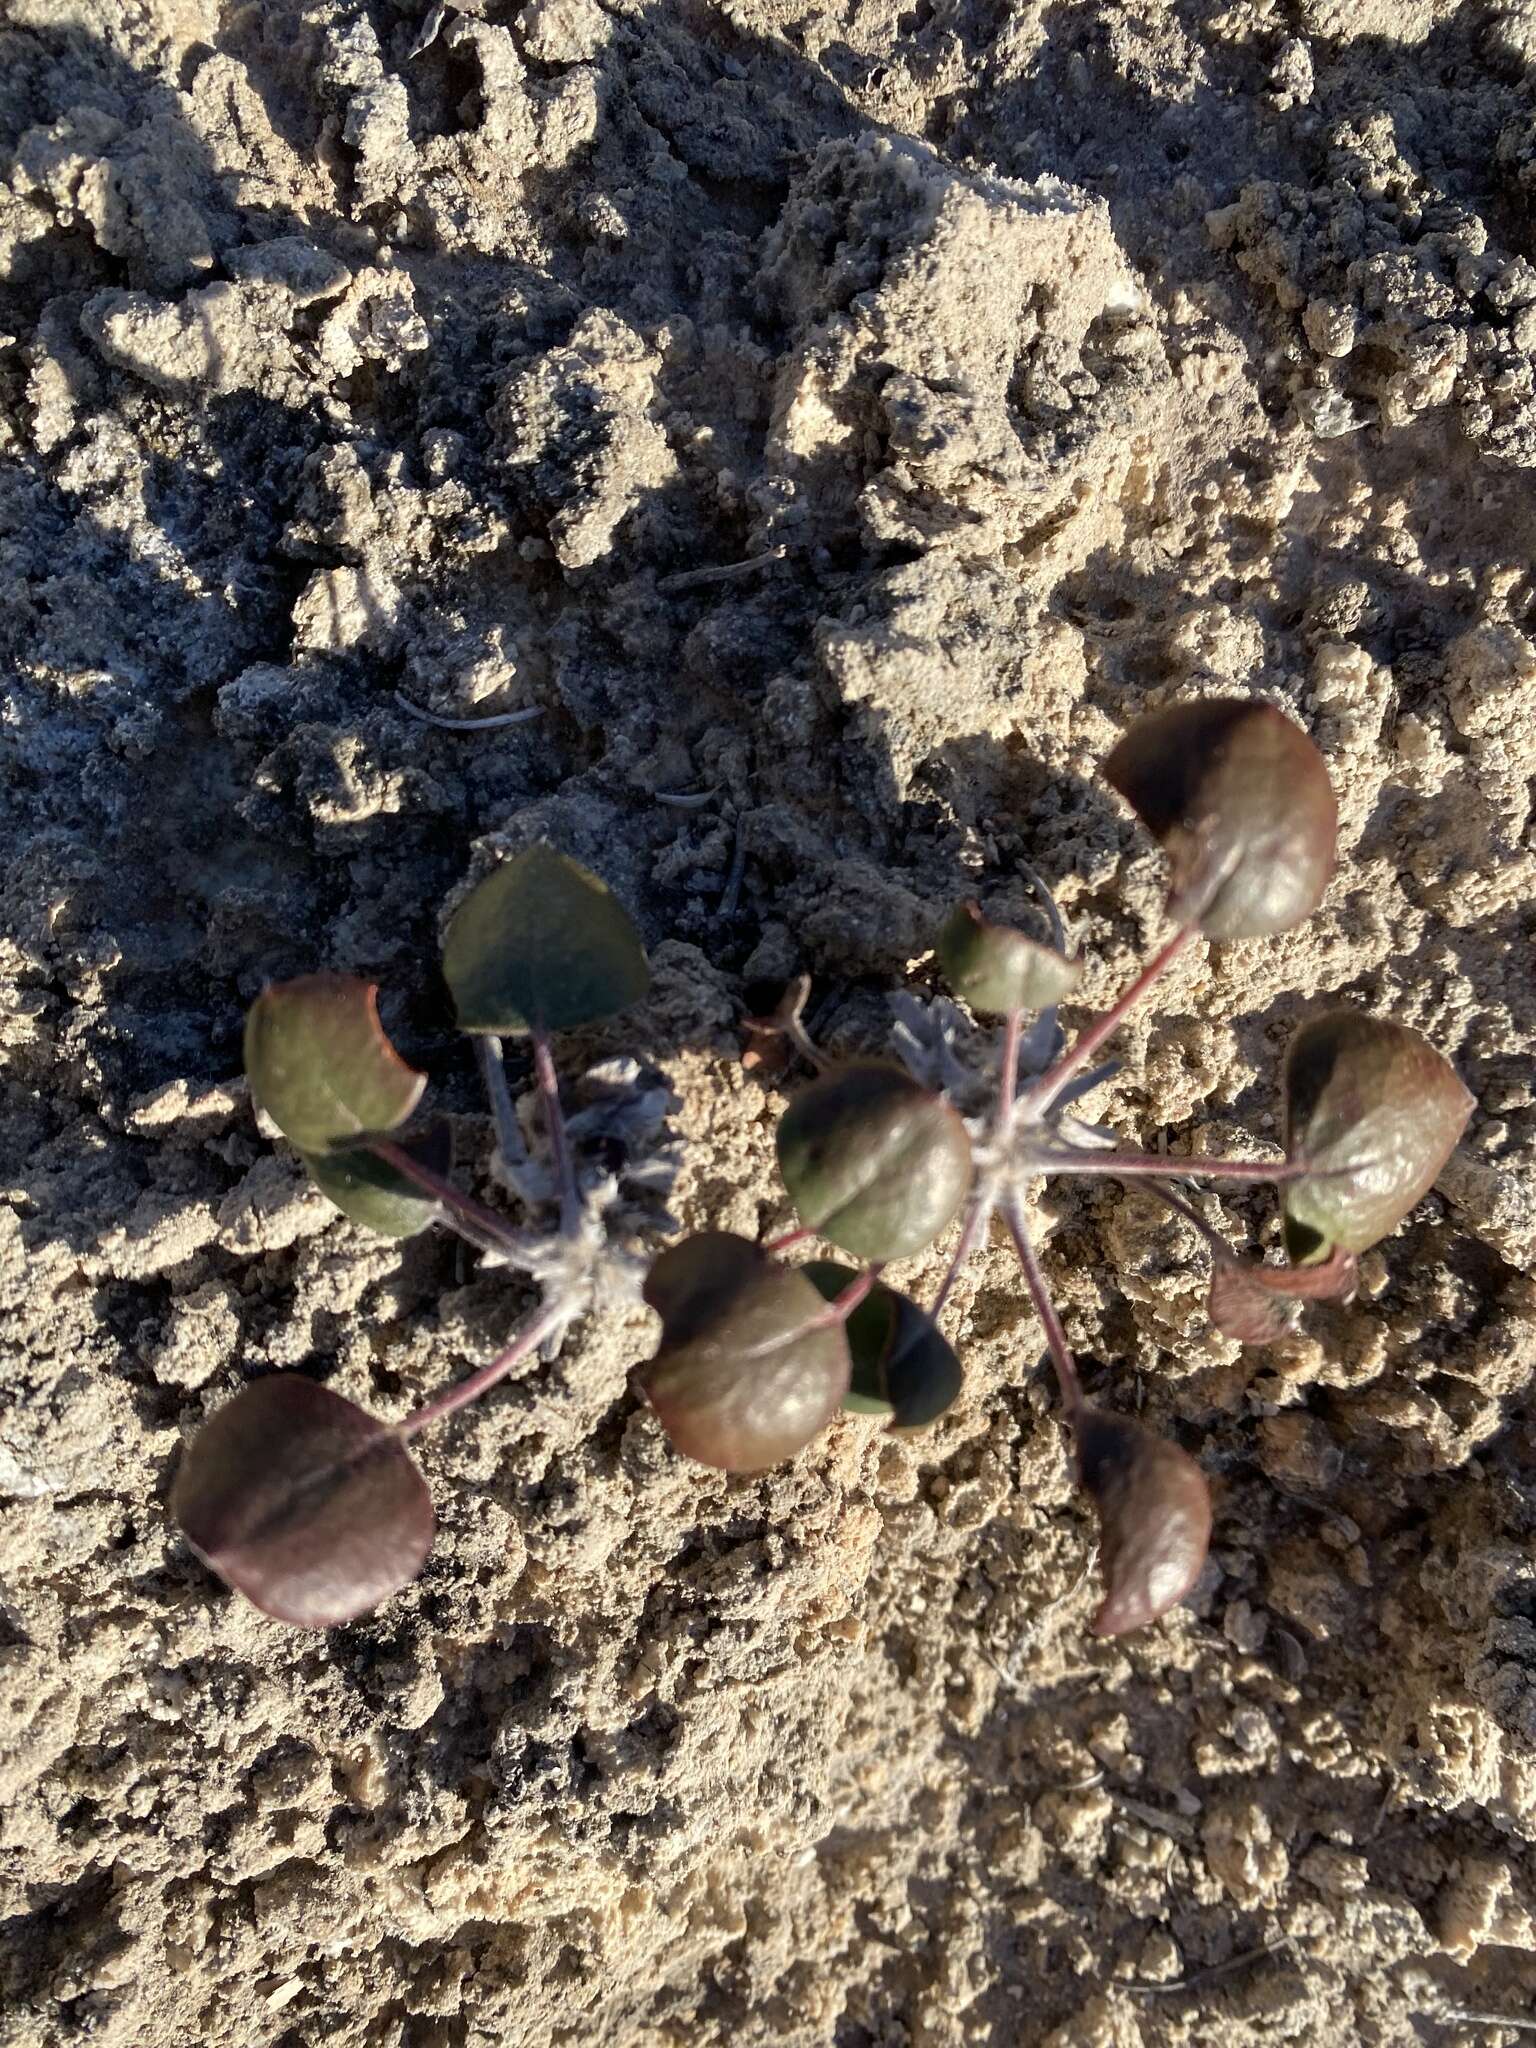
{"points": [[1374, 1112], [1240, 801], [1154, 1511], [996, 969], [373, 1192], [874, 1161], [320, 1064], [903, 1367], [303, 1502], [747, 1372], [541, 945]]}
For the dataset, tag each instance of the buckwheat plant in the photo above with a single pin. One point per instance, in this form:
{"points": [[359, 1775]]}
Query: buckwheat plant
{"points": [[316, 1510]]}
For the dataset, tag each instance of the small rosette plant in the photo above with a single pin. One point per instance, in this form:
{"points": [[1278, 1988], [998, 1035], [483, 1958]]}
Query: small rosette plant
{"points": [[317, 1511]]}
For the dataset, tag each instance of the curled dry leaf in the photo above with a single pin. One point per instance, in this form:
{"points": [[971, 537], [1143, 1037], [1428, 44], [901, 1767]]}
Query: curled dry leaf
{"points": [[903, 1366], [541, 944], [1374, 1112], [1258, 1304], [303, 1502], [1154, 1511], [873, 1161], [1239, 799], [749, 1367], [320, 1064], [996, 969]]}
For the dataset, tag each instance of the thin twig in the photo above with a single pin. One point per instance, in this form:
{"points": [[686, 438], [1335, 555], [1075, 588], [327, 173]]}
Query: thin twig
{"points": [[482, 1226], [1009, 1678], [785, 1022], [1465, 2016], [529, 1338], [509, 1132], [685, 800], [1035, 1630], [1067, 1378], [731, 895], [1382, 1810], [559, 1145], [791, 1020], [1210, 1976], [1086, 1044], [726, 572], [486, 724], [1172, 1824]]}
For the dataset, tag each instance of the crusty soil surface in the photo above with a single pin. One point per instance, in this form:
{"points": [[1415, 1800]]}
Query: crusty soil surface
{"points": [[1026, 364]]}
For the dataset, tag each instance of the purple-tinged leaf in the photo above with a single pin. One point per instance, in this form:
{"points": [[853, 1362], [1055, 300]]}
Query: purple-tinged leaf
{"points": [[1258, 1304], [997, 969], [1373, 1112], [873, 1161], [303, 1502], [541, 944], [903, 1366], [749, 1368], [1239, 799], [1154, 1511], [320, 1064]]}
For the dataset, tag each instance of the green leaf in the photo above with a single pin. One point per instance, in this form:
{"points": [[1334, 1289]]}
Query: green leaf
{"points": [[320, 1064], [996, 969], [1154, 1511], [1239, 799], [903, 1366], [541, 945], [303, 1502], [873, 1161], [1373, 1112], [373, 1192], [747, 1371]]}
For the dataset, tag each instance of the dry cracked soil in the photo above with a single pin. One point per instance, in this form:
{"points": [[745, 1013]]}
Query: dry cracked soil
{"points": [[1025, 363]]}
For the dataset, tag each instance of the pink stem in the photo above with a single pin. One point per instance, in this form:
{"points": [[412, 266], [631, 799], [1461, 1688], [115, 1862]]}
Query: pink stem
{"points": [[1164, 1166], [1086, 1044], [979, 1214], [1008, 1074], [790, 1237], [1170, 1199], [559, 1144], [529, 1338], [977, 1218], [836, 1312], [843, 1306], [480, 1225], [1072, 1399]]}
